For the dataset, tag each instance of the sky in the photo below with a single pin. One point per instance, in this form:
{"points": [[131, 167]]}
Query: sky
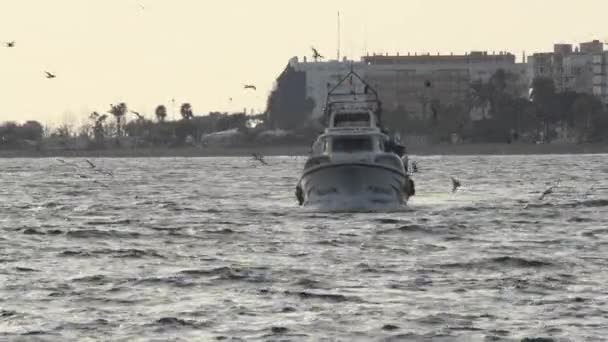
{"points": [[148, 52]]}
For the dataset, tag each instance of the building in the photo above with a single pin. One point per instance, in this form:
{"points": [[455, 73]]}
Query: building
{"points": [[411, 83], [321, 75], [415, 83], [581, 70]]}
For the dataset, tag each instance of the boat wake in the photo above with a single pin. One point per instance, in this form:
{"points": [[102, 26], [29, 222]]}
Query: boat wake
{"points": [[357, 204]]}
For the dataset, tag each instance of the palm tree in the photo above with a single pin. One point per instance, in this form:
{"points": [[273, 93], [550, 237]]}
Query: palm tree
{"points": [[186, 111], [98, 130], [119, 111], [161, 113]]}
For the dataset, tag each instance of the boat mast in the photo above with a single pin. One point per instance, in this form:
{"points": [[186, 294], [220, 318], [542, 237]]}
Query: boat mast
{"points": [[339, 36]]}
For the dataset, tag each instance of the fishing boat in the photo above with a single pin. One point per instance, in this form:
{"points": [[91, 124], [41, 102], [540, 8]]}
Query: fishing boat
{"points": [[355, 164]]}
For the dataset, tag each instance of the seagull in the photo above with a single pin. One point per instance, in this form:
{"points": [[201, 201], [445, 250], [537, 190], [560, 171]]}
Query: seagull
{"points": [[91, 164], [67, 163], [315, 54], [414, 166], [455, 184], [546, 193], [10, 44], [588, 192], [49, 75], [250, 86], [259, 158], [139, 116]]}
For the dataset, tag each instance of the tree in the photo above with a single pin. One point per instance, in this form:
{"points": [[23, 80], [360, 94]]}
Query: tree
{"points": [[161, 113], [63, 131], [31, 130], [8, 133], [588, 115], [119, 111], [186, 111], [544, 98], [98, 128]]}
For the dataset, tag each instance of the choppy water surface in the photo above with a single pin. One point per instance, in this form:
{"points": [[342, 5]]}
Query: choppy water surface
{"points": [[217, 249]]}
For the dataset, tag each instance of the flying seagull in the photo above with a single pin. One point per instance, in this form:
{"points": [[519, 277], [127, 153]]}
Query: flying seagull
{"points": [[67, 163], [91, 164], [250, 86], [315, 54], [10, 44], [139, 116], [455, 184], [49, 75], [547, 192], [259, 158]]}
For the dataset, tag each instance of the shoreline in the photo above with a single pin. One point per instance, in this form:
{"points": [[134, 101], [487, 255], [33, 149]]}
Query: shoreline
{"points": [[302, 150]]}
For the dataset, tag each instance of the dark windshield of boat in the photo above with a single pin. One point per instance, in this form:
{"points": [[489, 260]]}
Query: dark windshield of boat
{"points": [[351, 144], [351, 120]]}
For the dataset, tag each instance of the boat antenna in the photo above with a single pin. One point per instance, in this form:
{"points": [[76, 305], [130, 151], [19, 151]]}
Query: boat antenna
{"points": [[339, 36]]}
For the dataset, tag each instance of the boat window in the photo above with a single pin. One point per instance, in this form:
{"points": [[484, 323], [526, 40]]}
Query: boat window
{"points": [[352, 144], [352, 120], [319, 146]]}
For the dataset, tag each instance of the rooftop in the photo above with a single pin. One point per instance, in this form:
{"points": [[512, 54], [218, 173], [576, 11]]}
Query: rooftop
{"points": [[472, 57]]}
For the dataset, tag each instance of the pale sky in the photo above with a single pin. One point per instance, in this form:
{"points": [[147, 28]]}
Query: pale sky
{"points": [[203, 52]]}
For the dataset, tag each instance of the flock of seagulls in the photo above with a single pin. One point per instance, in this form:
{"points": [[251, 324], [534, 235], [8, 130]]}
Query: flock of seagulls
{"points": [[315, 54], [12, 44]]}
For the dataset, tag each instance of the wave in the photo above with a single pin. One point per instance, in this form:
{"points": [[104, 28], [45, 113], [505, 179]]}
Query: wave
{"points": [[8, 313], [176, 323], [97, 279], [410, 228], [331, 297], [502, 261], [597, 203], [310, 284], [254, 275], [96, 234], [114, 253], [110, 223], [33, 231]]}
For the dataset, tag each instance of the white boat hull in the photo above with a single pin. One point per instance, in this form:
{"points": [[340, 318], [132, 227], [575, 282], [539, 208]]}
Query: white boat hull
{"points": [[354, 187]]}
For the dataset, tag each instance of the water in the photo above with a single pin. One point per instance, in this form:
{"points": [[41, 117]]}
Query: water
{"points": [[217, 249]]}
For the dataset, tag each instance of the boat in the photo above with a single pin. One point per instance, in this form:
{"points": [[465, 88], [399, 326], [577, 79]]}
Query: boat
{"points": [[355, 164]]}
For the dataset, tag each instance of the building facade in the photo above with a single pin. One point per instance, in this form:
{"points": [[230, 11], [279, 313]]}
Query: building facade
{"points": [[581, 70], [412, 83]]}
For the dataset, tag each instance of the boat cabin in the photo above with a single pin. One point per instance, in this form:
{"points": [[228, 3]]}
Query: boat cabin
{"points": [[352, 142]]}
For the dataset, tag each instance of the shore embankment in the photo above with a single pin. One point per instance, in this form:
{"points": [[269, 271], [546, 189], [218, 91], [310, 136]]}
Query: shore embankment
{"points": [[300, 150]]}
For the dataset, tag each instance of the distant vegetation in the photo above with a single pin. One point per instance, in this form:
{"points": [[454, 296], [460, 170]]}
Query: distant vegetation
{"points": [[504, 116], [120, 127], [494, 112]]}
